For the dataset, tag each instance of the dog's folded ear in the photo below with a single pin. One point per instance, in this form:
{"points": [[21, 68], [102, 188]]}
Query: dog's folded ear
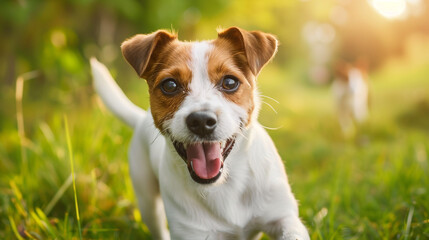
{"points": [[139, 51], [259, 47]]}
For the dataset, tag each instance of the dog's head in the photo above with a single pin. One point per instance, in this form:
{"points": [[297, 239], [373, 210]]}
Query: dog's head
{"points": [[202, 94]]}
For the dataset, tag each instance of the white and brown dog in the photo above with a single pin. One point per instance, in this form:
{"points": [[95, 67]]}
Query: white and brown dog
{"points": [[351, 93], [199, 153]]}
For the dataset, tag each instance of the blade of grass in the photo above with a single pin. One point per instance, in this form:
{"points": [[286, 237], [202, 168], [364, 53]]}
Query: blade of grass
{"points": [[20, 116], [17, 202], [44, 218], [69, 146], [58, 195], [13, 226], [15, 190], [409, 219], [66, 226], [43, 224]]}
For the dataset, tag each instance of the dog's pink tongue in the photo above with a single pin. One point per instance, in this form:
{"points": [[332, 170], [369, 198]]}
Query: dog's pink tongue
{"points": [[205, 159]]}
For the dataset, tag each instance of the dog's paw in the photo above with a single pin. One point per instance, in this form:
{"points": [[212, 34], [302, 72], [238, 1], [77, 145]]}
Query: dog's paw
{"points": [[294, 236]]}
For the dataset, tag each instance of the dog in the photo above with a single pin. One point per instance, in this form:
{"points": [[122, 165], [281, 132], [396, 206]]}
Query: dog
{"points": [[351, 94], [199, 158]]}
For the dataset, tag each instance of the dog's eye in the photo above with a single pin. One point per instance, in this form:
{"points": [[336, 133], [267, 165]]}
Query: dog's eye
{"points": [[230, 84], [169, 86]]}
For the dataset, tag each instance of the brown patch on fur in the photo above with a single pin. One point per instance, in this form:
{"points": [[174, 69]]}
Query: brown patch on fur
{"points": [[258, 47], [342, 71], [160, 55], [223, 61], [142, 50], [155, 57], [342, 68], [241, 54], [173, 63]]}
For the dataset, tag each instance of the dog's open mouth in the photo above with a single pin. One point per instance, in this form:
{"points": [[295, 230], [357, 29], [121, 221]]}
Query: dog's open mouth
{"points": [[205, 159]]}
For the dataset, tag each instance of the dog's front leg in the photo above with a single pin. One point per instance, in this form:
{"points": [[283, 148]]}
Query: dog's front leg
{"points": [[287, 228], [147, 190], [182, 232]]}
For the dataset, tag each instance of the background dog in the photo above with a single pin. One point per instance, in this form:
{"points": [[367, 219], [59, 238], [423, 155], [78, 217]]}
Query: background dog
{"points": [[351, 92]]}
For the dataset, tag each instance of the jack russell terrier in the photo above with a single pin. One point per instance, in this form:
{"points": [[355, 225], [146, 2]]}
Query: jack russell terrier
{"points": [[350, 89], [199, 158]]}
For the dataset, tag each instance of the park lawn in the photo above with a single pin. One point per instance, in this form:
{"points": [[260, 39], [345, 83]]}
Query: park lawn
{"points": [[371, 186]]}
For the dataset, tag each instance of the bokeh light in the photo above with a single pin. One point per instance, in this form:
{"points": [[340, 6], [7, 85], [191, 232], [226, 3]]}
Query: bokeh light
{"points": [[390, 8]]}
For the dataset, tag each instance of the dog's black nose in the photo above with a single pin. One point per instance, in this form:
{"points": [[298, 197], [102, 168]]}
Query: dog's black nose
{"points": [[202, 123]]}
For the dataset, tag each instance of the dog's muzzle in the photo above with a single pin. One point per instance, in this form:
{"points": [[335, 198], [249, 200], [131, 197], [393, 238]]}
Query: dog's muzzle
{"points": [[202, 123], [205, 157]]}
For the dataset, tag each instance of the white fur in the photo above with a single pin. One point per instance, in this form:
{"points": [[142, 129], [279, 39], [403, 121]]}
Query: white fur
{"points": [[113, 96], [253, 194], [359, 89], [204, 95], [351, 98]]}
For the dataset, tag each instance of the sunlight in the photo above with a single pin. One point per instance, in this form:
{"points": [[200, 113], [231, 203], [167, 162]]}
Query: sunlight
{"points": [[390, 8]]}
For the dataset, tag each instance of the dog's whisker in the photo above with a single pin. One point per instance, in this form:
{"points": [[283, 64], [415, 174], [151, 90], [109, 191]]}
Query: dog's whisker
{"points": [[241, 134], [269, 105], [265, 96], [202, 194], [156, 137], [272, 128], [159, 133], [241, 129]]}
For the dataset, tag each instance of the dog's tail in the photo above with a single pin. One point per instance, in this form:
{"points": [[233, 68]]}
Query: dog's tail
{"points": [[113, 97]]}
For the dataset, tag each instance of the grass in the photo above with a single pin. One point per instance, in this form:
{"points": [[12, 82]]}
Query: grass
{"points": [[70, 150], [372, 186]]}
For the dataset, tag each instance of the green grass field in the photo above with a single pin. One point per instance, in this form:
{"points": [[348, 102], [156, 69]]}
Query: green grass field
{"points": [[372, 186]]}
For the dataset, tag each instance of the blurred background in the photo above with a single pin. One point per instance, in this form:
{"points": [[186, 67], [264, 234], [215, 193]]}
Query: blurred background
{"points": [[370, 182]]}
